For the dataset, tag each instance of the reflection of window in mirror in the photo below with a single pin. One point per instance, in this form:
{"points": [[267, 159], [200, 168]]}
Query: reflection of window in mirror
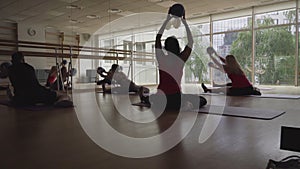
{"points": [[127, 45], [140, 47], [153, 55], [108, 44]]}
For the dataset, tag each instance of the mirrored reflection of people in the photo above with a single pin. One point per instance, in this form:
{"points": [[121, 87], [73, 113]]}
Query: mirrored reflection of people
{"points": [[64, 71], [107, 76], [52, 77], [116, 76], [240, 85], [61, 77], [26, 88], [171, 71], [4, 75]]}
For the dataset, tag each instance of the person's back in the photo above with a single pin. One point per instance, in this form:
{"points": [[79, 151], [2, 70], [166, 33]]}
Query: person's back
{"points": [[170, 73], [239, 80], [120, 78], [27, 89], [235, 73], [23, 79], [171, 64]]}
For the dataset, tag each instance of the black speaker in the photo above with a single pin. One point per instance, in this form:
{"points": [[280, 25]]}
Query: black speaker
{"points": [[290, 138]]}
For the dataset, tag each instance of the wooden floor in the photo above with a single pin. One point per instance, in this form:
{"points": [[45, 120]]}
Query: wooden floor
{"points": [[54, 139]]}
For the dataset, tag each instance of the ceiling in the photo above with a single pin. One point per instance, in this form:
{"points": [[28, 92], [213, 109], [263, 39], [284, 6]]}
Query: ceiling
{"points": [[71, 15]]}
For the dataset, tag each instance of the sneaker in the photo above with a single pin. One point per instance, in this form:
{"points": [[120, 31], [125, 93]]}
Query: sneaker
{"points": [[205, 88]]}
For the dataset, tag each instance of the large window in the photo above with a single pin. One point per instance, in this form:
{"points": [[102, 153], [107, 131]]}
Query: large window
{"points": [[127, 45], [233, 36], [109, 44], [145, 71], [275, 47], [275, 56], [263, 39]]}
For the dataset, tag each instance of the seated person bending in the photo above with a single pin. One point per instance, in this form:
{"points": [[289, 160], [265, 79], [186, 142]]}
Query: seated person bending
{"points": [[118, 77], [107, 76], [240, 84], [26, 88]]}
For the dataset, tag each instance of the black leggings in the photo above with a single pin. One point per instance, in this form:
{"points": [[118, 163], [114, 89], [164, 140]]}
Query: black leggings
{"points": [[40, 95], [174, 100], [243, 91], [103, 81]]}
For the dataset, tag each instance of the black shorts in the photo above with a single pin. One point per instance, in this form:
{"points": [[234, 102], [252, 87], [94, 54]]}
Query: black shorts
{"points": [[174, 100]]}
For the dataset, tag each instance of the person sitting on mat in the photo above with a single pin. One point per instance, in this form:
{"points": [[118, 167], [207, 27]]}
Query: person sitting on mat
{"points": [[26, 88], [107, 76], [171, 71], [240, 84], [116, 76]]}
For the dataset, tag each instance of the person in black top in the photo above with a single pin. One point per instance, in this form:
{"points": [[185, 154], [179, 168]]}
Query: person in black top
{"points": [[26, 88]]}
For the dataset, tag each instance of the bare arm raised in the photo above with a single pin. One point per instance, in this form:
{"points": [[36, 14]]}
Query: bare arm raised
{"points": [[188, 49], [219, 65], [160, 32]]}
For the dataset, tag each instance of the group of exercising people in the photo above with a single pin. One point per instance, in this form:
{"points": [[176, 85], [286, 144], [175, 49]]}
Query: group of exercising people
{"points": [[170, 75], [171, 61]]}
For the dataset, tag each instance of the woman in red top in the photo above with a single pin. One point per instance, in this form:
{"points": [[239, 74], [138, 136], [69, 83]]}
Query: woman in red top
{"points": [[170, 64], [240, 83]]}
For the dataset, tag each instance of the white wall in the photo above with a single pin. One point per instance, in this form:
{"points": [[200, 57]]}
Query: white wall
{"points": [[23, 35]]}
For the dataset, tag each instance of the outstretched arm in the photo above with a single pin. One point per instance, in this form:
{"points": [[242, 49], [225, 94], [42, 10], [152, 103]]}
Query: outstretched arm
{"points": [[160, 32], [212, 65], [220, 57], [188, 33], [188, 49], [219, 65]]}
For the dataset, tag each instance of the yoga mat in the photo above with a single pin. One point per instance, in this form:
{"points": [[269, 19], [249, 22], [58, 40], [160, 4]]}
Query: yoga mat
{"points": [[275, 96], [243, 112], [278, 96], [130, 93], [212, 94], [141, 104], [33, 107]]}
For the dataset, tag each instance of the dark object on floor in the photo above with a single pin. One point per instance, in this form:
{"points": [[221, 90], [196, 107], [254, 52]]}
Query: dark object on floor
{"points": [[290, 162], [142, 104], [290, 138], [38, 107]]}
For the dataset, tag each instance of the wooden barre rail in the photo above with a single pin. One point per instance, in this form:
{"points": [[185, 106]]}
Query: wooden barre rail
{"points": [[88, 52], [75, 56], [53, 46]]}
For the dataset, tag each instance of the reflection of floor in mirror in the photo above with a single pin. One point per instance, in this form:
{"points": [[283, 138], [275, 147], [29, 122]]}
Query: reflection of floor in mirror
{"points": [[55, 138]]}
